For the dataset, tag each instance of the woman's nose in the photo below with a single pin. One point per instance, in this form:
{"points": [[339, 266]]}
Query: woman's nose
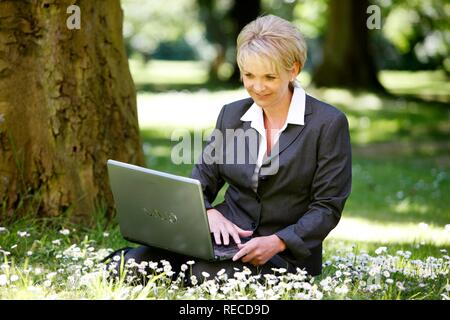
{"points": [[258, 86]]}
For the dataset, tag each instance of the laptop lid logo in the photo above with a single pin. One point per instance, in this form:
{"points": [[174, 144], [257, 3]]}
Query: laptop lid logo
{"points": [[164, 216]]}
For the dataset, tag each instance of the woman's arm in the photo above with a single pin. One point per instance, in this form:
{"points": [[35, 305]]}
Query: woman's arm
{"points": [[207, 171], [330, 189]]}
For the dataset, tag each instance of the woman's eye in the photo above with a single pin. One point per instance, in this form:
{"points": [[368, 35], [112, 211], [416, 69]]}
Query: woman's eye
{"points": [[270, 78], [249, 75]]}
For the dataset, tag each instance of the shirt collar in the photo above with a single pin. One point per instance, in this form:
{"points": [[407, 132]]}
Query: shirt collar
{"points": [[296, 113]]}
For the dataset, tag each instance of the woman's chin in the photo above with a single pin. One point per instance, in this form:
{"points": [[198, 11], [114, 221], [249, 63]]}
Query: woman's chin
{"points": [[261, 101]]}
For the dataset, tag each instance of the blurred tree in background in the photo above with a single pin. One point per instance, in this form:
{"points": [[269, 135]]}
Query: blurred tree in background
{"points": [[163, 29], [231, 19], [414, 35], [347, 59]]}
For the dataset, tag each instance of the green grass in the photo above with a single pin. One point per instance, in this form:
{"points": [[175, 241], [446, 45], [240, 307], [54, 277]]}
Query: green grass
{"points": [[399, 200]]}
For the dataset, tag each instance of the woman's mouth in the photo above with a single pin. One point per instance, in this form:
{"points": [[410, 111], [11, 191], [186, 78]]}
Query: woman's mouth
{"points": [[262, 96]]}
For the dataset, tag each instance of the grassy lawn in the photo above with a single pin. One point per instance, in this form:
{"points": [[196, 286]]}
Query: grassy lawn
{"points": [[391, 243]]}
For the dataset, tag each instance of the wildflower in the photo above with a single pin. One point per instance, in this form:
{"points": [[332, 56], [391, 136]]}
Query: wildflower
{"points": [[51, 275], [29, 253], [318, 295], [423, 226], [167, 268], [57, 242], [3, 280], [6, 253], [14, 246], [380, 250], [47, 283], [184, 267], [221, 272], [3, 229], [282, 270], [400, 285], [205, 274], [259, 294], [23, 234], [106, 234], [64, 232], [88, 263], [341, 290], [190, 262], [447, 227]]}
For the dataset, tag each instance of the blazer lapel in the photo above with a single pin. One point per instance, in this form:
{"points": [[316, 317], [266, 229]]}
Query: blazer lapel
{"points": [[251, 152], [288, 135]]}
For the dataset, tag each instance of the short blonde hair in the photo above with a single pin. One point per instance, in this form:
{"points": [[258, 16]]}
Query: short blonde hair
{"points": [[274, 38]]}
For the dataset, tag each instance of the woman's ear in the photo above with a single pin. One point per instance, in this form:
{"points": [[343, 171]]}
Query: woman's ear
{"points": [[295, 69]]}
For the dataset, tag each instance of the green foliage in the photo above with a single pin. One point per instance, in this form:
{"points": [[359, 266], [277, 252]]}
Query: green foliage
{"points": [[414, 34], [149, 24], [419, 32]]}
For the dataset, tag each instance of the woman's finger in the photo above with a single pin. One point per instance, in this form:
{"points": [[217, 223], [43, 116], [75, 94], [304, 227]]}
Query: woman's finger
{"points": [[217, 237]]}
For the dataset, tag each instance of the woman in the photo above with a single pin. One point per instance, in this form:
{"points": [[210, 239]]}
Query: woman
{"points": [[289, 194]]}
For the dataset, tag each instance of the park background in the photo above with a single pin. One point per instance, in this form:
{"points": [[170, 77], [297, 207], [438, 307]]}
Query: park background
{"points": [[117, 89]]}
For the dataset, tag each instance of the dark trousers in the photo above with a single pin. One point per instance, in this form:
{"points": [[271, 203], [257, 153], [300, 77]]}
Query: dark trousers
{"points": [[145, 253]]}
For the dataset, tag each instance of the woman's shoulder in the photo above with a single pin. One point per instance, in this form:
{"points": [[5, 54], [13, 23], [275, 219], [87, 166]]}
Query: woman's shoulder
{"points": [[239, 105], [322, 109], [233, 111]]}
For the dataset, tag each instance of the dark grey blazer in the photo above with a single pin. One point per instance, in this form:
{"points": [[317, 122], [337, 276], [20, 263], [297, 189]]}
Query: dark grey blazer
{"points": [[304, 200]]}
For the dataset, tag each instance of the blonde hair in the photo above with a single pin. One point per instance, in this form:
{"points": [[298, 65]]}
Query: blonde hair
{"points": [[273, 38]]}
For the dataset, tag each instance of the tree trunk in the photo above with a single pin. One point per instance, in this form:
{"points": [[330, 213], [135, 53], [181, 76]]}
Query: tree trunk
{"points": [[222, 29], [67, 104], [242, 13], [347, 59]]}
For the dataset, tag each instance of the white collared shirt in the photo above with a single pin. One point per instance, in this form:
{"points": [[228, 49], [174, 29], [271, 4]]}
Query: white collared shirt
{"points": [[296, 116]]}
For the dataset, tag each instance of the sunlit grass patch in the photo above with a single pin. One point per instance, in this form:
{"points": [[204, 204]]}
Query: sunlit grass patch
{"points": [[426, 84], [168, 72], [364, 230]]}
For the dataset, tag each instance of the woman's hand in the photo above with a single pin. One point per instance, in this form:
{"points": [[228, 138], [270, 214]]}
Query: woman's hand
{"points": [[259, 250], [219, 225]]}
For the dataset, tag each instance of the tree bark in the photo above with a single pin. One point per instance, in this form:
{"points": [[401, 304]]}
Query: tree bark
{"points": [[222, 30], [67, 104], [347, 58], [242, 13]]}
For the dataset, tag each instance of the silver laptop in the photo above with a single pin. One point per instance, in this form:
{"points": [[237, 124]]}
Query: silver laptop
{"points": [[164, 210]]}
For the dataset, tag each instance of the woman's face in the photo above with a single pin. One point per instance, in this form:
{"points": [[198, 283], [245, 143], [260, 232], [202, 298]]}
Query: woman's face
{"points": [[265, 85]]}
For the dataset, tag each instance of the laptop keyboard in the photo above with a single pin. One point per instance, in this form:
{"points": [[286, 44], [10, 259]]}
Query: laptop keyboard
{"points": [[228, 251]]}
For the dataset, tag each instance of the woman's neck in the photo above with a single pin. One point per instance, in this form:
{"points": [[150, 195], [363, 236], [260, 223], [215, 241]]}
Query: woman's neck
{"points": [[274, 118]]}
